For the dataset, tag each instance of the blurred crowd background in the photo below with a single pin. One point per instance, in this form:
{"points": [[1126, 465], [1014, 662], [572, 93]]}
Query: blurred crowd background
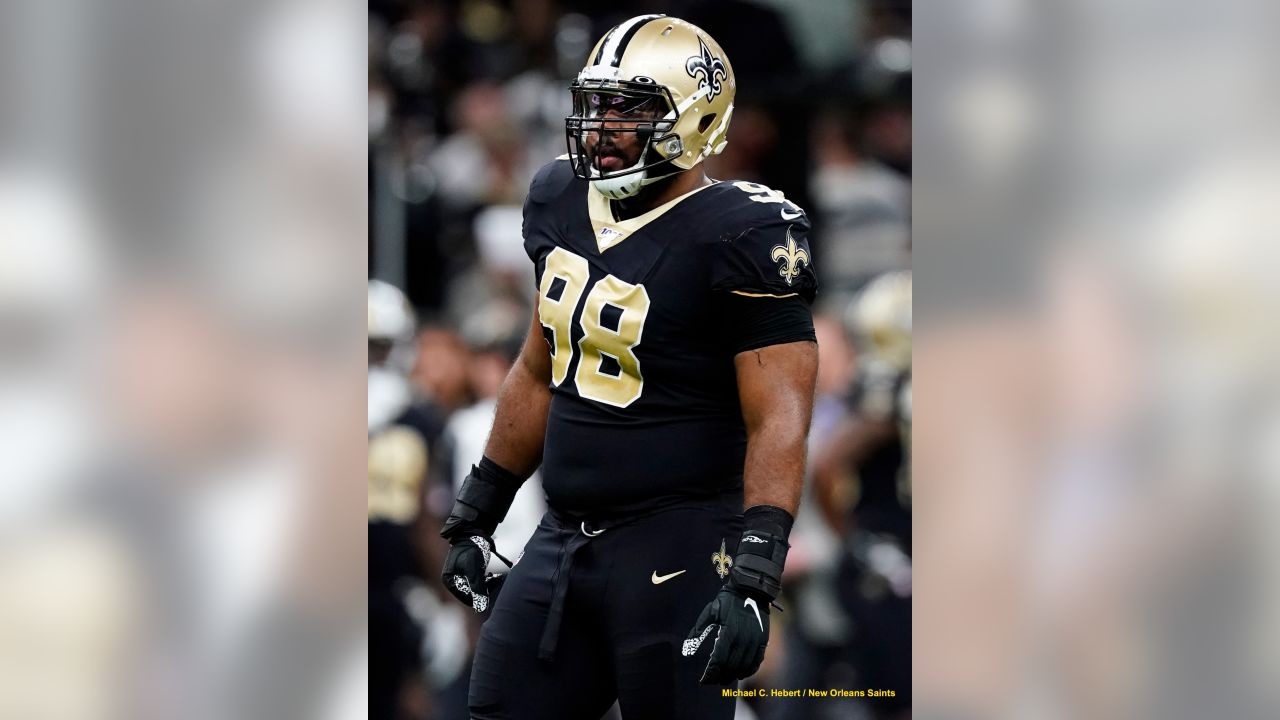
{"points": [[181, 285], [467, 100], [184, 187]]}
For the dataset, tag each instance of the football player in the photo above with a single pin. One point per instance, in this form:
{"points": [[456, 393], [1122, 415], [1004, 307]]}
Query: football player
{"points": [[665, 388]]}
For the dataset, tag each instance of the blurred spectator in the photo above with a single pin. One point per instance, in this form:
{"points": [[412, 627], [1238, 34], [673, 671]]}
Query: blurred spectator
{"points": [[485, 161], [863, 206], [441, 369]]}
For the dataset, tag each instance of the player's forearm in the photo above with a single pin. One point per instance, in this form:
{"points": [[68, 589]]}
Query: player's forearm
{"points": [[520, 425], [774, 471], [776, 386]]}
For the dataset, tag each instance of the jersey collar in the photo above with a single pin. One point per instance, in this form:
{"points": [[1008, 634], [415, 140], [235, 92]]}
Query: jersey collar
{"points": [[610, 232]]}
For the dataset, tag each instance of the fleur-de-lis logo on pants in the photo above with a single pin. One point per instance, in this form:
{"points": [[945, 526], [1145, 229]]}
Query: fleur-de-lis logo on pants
{"points": [[791, 256], [722, 561], [706, 69]]}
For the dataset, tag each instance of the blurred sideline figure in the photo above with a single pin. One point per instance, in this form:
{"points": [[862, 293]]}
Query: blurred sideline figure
{"points": [[404, 435], [862, 483]]}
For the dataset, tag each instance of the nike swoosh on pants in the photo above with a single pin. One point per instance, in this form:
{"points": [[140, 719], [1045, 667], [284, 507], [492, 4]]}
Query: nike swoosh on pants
{"points": [[659, 579]]}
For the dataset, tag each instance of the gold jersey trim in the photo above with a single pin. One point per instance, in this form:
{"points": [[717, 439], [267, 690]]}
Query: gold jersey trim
{"points": [[610, 232], [769, 295]]}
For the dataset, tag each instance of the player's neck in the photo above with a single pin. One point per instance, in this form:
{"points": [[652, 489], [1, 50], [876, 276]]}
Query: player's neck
{"points": [[661, 192]]}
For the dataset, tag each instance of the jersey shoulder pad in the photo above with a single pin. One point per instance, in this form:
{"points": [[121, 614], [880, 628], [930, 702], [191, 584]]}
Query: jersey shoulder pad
{"points": [[550, 182], [748, 204], [763, 249], [542, 209]]}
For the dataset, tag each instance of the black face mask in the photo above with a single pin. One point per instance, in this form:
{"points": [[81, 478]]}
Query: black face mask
{"points": [[612, 109]]}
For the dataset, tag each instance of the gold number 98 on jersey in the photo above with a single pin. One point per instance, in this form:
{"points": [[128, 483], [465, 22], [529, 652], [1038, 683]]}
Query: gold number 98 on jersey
{"points": [[612, 323]]}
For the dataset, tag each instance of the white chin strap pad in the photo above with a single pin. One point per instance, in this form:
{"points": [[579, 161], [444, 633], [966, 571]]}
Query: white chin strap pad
{"points": [[624, 186]]}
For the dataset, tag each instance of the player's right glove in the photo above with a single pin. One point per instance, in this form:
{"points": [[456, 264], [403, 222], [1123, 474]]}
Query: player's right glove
{"points": [[482, 502]]}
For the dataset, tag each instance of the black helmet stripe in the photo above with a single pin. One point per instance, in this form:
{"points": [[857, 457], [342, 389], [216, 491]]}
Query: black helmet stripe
{"points": [[615, 43], [603, 44]]}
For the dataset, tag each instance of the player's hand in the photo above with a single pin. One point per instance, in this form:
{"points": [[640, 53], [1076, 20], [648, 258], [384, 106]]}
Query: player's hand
{"points": [[740, 624], [482, 501], [739, 614], [464, 570]]}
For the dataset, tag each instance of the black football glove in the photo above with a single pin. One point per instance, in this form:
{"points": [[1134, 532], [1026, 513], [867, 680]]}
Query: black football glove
{"points": [[465, 571], [741, 624], [739, 614], [482, 502]]}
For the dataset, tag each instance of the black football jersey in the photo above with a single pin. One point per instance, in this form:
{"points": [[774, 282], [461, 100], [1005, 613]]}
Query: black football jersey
{"points": [[643, 320]]}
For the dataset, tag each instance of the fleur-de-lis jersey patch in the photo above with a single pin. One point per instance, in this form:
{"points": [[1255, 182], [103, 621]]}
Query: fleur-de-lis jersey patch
{"points": [[792, 256]]}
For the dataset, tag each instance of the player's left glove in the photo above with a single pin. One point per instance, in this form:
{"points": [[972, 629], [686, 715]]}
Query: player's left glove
{"points": [[739, 614]]}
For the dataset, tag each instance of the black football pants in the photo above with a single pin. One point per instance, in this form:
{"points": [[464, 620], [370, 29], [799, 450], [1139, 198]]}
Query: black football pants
{"points": [[597, 612]]}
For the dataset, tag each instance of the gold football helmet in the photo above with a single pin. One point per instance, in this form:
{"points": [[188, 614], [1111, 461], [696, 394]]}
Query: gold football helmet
{"points": [[880, 316], [654, 99]]}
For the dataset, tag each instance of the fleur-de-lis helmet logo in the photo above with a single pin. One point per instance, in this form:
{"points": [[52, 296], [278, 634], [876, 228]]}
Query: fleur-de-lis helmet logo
{"points": [[791, 256], [707, 69]]}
